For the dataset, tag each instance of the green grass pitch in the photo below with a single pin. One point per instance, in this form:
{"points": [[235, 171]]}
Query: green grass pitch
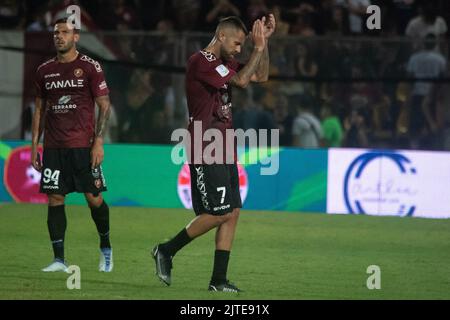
{"points": [[276, 255]]}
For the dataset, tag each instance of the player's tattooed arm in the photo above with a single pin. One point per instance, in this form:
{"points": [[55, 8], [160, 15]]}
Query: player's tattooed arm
{"points": [[243, 77], [104, 106], [97, 152], [262, 72], [37, 129]]}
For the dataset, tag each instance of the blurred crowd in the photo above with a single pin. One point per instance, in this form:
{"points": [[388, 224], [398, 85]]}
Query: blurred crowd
{"points": [[334, 82], [300, 17]]}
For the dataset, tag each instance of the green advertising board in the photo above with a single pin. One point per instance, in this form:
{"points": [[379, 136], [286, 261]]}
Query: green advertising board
{"points": [[145, 175]]}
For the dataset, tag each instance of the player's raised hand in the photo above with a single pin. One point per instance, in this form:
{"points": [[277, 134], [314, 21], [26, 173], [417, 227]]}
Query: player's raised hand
{"points": [[97, 153], [258, 35], [269, 25]]}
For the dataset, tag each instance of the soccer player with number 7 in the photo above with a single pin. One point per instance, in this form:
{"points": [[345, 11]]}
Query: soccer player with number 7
{"points": [[67, 89], [215, 186]]}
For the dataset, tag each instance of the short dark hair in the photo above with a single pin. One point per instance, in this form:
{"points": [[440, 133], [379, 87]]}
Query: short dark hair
{"points": [[234, 22], [64, 20]]}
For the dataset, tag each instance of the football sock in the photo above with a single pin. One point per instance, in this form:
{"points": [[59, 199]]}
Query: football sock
{"points": [[172, 246], [100, 216], [57, 223], [219, 274]]}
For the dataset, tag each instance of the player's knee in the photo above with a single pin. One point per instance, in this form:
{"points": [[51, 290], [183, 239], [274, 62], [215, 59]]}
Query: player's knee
{"points": [[234, 215], [94, 201], [55, 200], [228, 216], [220, 219]]}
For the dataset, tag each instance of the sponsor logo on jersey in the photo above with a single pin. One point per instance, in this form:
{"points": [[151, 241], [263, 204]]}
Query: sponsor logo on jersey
{"points": [[62, 84], [63, 106], [202, 187], [224, 207], [64, 99], [102, 85], [78, 72], [47, 187], [222, 70], [102, 177], [209, 56], [93, 62], [52, 75]]}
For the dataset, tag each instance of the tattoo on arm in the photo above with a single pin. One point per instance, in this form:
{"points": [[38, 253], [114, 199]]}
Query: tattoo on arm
{"points": [[262, 72], [103, 115], [242, 78]]}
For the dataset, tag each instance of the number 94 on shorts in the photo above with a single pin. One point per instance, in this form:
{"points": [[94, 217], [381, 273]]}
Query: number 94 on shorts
{"points": [[67, 170]]}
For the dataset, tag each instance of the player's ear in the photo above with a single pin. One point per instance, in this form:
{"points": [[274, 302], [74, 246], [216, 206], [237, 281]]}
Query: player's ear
{"points": [[221, 36], [76, 37]]}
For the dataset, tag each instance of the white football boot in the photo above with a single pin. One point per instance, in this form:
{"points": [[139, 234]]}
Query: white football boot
{"points": [[106, 260], [56, 266]]}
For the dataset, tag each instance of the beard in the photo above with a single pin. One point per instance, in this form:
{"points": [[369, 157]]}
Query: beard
{"points": [[224, 55], [65, 49]]}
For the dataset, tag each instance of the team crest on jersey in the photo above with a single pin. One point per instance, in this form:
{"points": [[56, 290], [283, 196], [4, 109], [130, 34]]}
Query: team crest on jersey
{"points": [[209, 56], [78, 72], [98, 183]]}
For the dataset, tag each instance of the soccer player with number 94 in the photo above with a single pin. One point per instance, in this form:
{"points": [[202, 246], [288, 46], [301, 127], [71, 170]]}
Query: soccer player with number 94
{"points": [[67, 89]]}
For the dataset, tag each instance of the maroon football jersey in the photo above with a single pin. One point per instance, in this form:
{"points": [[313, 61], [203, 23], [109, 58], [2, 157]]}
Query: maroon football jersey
{"points": [[209, 95], [68, 91]]}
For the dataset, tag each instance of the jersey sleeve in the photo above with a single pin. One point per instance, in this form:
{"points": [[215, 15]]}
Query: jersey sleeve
{"points": [[213, 74], [38, 85], [97, 83], [236, 65]]}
